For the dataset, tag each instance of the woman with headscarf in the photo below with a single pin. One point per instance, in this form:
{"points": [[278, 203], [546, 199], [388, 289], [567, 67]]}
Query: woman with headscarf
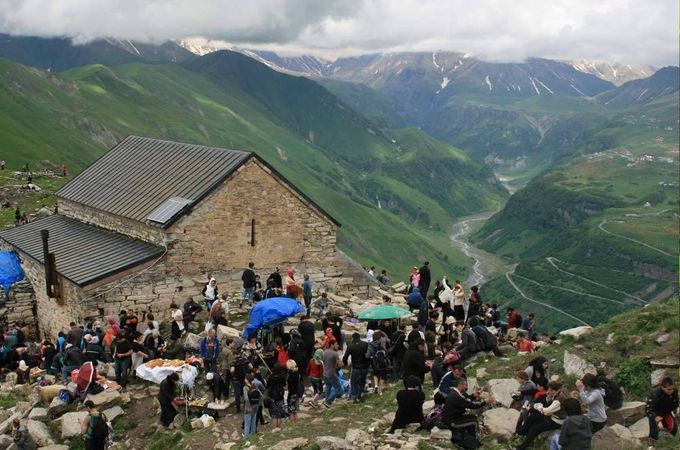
{"points": [[177, 329], [328, 338], [167, 397], [293, 289], [209, 293]]}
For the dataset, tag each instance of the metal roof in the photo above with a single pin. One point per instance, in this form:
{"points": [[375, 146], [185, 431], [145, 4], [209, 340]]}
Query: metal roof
{"points": [[83, 253], [139, 174]]}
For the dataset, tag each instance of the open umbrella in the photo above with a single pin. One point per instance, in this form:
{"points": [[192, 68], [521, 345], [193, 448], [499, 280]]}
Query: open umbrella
{"points": [[270, 312], [384, 312]]}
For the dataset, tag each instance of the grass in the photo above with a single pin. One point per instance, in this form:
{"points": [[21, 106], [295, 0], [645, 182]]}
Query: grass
{"points": [[11, 399]]}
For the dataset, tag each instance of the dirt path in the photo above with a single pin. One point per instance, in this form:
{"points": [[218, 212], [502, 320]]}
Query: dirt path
{"points": [[601, 227]]}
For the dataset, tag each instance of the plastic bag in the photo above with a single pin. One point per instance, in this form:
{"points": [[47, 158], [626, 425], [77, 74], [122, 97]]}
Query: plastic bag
{"points": [[207, 420]]}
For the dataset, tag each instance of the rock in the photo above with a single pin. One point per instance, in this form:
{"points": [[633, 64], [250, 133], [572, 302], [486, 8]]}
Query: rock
{"points": [[640, 429], [663, 339], [669, 361], [616, 437], [38, 414], [400, 288], [357, 436], [225, 332], [502, 389], [610, 339], [333, 443], [659, 374], [192, 341], [196, 424], [577, 332], [292, 444], [47, 393], [481, 373], [507, 349], [55, 447], [70, 423], [472, 385], [40, 433], [105, 399], [6, 441], [113, 412], [438, 434], [501, 421], [58, 407], [575, 365], [225, 446], [512, 334], [628, 413], [411, 427]]}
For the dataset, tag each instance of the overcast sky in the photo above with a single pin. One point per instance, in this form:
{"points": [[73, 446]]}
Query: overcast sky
{"points": [[630, 31]]}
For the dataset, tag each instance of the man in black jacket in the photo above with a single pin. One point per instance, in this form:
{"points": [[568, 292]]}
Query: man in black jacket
{"points": [[414, 359], [73, 359], [248, 278], [425, 279], [397, 350], [660, 407], [357, 351], [306, 329], [275, 279], [457, 404]]}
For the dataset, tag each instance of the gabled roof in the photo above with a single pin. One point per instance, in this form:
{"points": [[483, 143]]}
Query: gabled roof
{"points": [[148, 180], [83, 253]]}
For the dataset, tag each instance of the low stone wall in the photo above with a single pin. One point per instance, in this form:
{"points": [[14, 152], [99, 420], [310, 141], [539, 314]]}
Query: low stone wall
{"points": [[21, 306]]}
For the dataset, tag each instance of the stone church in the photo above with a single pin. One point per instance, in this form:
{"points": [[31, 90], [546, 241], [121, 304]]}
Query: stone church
{"points": [[151, 220]]}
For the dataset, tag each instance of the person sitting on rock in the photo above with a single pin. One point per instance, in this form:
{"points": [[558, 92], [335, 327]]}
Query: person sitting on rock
{"points": [[321, 304], [449, 380], [659, 410], [467, 346], [458, 403], [529, 415], [538, 368], [527, 388], [592, 396], [524, 345], [554, 414], [409, 404], [576, 432]]}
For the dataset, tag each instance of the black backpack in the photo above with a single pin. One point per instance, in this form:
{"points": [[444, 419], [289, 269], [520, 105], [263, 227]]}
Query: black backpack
{"points": [[613, 396], [100, 431], [254, 396], [462, 438], [380, 361]]}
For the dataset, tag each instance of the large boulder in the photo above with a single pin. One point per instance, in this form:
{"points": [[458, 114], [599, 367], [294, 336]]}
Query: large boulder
{"points": [[70, 423], [224, 332], [615, 437], [576, 365], [658, 375], [38, 414], [627, 414], [640, 429], [58, 407], [577, 332], [501, 390], [440, 435], [39, 432], [669, 361], [501, 421], [105, 399], [357, 436], [333, 443], [292, 444], [113, 412], [192, 341]]}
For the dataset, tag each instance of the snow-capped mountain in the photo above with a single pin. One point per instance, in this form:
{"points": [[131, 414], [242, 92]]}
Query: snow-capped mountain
{"points": [[616, 73]]}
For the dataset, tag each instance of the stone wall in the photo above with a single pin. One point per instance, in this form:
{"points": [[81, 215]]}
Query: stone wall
{"points": [[111, 222], [21, 306]]}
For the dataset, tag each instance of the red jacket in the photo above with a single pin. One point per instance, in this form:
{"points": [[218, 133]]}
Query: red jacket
{"points": [[314, 370]]}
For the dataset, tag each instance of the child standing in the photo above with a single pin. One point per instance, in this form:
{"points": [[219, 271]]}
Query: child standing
{"points": [[315, 373]]}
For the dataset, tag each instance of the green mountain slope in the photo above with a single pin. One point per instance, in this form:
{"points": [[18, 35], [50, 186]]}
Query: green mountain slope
{"points": [[597, 234], [326, 149]]}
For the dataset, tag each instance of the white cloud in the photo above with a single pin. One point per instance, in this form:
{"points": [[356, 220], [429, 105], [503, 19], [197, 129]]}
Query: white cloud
{"points": [[634, 31]]}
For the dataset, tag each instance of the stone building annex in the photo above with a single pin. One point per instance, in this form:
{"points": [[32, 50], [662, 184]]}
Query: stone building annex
{"points": [[150, 221]]}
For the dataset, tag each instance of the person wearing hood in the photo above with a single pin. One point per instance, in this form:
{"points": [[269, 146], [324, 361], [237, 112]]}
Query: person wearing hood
{"points": [[178, 327], [23, 372], [414, 299], [210, 293], [576, 432], [414, 359]]}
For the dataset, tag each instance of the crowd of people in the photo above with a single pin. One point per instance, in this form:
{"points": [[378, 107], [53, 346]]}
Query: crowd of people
{"points": [[277, 372]]}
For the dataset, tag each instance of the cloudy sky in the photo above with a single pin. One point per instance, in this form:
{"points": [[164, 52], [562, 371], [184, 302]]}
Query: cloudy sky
{"points": [[630, 31]]}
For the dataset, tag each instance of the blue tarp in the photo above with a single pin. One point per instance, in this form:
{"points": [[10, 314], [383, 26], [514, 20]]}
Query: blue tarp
{"points": [[270, 312], [10, 270]]}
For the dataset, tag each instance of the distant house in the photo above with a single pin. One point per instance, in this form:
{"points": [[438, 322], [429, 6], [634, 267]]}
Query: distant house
{"points": [[150, 221]]}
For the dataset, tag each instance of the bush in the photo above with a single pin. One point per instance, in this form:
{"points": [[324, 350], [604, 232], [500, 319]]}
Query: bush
{"points": [[634, 377]]}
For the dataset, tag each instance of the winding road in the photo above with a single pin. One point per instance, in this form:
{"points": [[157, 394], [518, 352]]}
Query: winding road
{"points": [[601, 227]]}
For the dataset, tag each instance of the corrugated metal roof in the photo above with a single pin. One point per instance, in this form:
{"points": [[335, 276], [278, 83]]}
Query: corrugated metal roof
{"points": [[83, 253], [140, 174]]}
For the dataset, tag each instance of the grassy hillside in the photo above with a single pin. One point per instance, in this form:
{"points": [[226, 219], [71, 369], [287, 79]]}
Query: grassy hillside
{"points": [[598, 234], [320, 144]]}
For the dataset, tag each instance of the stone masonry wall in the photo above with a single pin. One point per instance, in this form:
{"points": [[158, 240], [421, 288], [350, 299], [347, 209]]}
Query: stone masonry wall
{"points": [[111, 222], [21, 306]]}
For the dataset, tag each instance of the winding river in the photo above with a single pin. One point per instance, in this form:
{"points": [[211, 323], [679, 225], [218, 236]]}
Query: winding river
{"points": [[484, 265]]}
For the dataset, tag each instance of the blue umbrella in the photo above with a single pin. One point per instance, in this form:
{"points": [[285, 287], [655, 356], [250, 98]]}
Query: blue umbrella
{"points": [[270, 312], [10, 270]]}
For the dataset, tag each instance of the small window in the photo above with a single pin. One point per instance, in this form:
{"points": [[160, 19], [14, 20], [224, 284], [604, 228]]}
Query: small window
{"points": [[252, 232]]}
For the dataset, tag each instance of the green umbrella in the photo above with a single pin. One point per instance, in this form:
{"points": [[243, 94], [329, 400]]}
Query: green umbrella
{"points": [[384, 312]]}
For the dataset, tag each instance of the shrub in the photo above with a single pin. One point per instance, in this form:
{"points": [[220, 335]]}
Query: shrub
{"points": [[634, 377]]}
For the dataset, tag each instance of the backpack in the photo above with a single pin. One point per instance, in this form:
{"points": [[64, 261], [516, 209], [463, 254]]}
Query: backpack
{"points": [[613, 396], [254, 396], [380, 361], [100, 431], [462, 438], [520, 320], [434, 417]]}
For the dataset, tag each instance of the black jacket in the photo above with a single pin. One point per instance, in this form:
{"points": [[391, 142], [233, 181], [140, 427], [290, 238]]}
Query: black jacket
{"points": [[397, 349], [414, 364], [357, 350], [425, 278], [248, 279], [73, 357], [661, 404], [457, 404], [275, 278]]}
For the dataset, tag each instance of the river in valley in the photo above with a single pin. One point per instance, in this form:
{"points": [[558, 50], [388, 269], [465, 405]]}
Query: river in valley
{"points": [[485, 265]]}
